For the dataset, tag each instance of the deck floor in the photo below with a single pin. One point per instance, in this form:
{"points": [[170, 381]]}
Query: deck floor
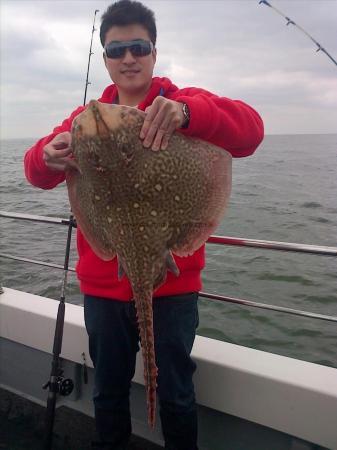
{"points": [[21, 427]]}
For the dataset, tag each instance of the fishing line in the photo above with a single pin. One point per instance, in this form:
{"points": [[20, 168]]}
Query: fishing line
{"points": [[291, 22]]}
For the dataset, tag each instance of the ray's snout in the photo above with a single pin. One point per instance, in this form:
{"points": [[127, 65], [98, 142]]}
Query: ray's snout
{"points": [[98, 119]]}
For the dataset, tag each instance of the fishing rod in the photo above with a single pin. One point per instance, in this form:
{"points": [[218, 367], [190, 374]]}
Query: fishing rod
{"points": [[291, 22], [87, 82], [57, 384]]}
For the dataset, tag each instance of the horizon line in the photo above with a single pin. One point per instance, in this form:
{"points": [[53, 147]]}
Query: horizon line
{"points": [[267, 134]]}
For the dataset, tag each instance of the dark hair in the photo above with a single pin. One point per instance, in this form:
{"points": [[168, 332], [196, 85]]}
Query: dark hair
{"points": [[128, 12]]}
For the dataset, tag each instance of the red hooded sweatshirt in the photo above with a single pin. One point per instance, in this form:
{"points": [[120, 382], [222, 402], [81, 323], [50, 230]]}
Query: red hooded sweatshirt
{"points": [[230, 124]]}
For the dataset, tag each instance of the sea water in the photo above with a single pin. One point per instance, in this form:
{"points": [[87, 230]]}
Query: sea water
{"points": [[286, 192]]}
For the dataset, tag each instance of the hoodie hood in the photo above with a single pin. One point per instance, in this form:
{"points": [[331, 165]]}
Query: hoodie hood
{"points": [[160, 86]]}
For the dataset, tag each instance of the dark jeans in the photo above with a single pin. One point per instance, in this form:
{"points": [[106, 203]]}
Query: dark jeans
{"points": [[113, 344]]}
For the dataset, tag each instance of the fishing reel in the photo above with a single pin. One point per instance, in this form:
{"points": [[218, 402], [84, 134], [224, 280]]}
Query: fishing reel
{"points": [[60, 385]]}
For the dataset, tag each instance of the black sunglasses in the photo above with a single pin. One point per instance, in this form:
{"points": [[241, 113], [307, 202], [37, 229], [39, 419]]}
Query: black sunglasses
{"points": [[138, 47]]}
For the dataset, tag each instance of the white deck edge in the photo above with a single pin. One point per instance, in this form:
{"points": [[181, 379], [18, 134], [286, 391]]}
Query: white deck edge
{"points": [[296, 397]]}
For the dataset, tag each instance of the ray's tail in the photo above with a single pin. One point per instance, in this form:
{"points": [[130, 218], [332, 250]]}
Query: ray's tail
{"points": [[145, 322]]}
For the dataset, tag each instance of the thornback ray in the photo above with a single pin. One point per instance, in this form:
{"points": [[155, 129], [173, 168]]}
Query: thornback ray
{"points": [[142, 206]]}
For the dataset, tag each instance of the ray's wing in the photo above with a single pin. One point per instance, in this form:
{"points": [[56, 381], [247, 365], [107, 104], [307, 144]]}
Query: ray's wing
{"points": [[81, 219], [208, 210]]}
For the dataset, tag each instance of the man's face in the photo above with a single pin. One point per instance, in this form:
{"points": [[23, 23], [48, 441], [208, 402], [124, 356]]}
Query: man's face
{"points": [[132, 74]]}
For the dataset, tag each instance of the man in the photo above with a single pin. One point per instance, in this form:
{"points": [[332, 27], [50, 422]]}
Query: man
{"points": [[128, 35]]}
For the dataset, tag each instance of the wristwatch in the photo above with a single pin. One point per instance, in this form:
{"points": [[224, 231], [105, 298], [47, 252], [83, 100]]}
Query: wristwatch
{"points": [[186, 113]]}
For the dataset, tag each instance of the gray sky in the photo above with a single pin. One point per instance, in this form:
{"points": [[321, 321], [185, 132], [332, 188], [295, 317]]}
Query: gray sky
{"points": [[235, 48]]}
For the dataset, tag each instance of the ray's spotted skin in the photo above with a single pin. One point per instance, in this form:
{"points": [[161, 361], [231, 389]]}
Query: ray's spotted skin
{"points": [[142, 206]]}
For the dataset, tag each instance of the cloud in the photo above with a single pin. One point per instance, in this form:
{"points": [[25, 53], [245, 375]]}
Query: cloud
{"points": [[237, 49]]}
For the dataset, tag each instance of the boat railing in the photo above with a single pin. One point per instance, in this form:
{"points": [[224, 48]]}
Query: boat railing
{"points": [[221, 240]]}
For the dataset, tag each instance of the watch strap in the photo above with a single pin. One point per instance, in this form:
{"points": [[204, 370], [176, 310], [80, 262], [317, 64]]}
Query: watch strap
{"points": [[186, 113]]}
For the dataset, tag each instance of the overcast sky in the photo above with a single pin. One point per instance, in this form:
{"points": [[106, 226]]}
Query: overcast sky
{"points": [[238, 49]]}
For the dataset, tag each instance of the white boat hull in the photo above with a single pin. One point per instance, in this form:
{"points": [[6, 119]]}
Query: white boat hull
{"points": [[294, 397]]}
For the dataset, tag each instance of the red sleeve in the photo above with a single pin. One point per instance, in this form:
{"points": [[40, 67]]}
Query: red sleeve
{"points": [[230, 124], [36, 171]]}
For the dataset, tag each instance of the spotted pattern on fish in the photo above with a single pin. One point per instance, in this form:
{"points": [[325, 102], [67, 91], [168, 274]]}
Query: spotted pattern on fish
{"points": [[143, 206]]}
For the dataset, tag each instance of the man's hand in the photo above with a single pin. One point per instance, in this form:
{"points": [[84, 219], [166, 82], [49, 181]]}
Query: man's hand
{"points": [[163, 117], [57, 154]]}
